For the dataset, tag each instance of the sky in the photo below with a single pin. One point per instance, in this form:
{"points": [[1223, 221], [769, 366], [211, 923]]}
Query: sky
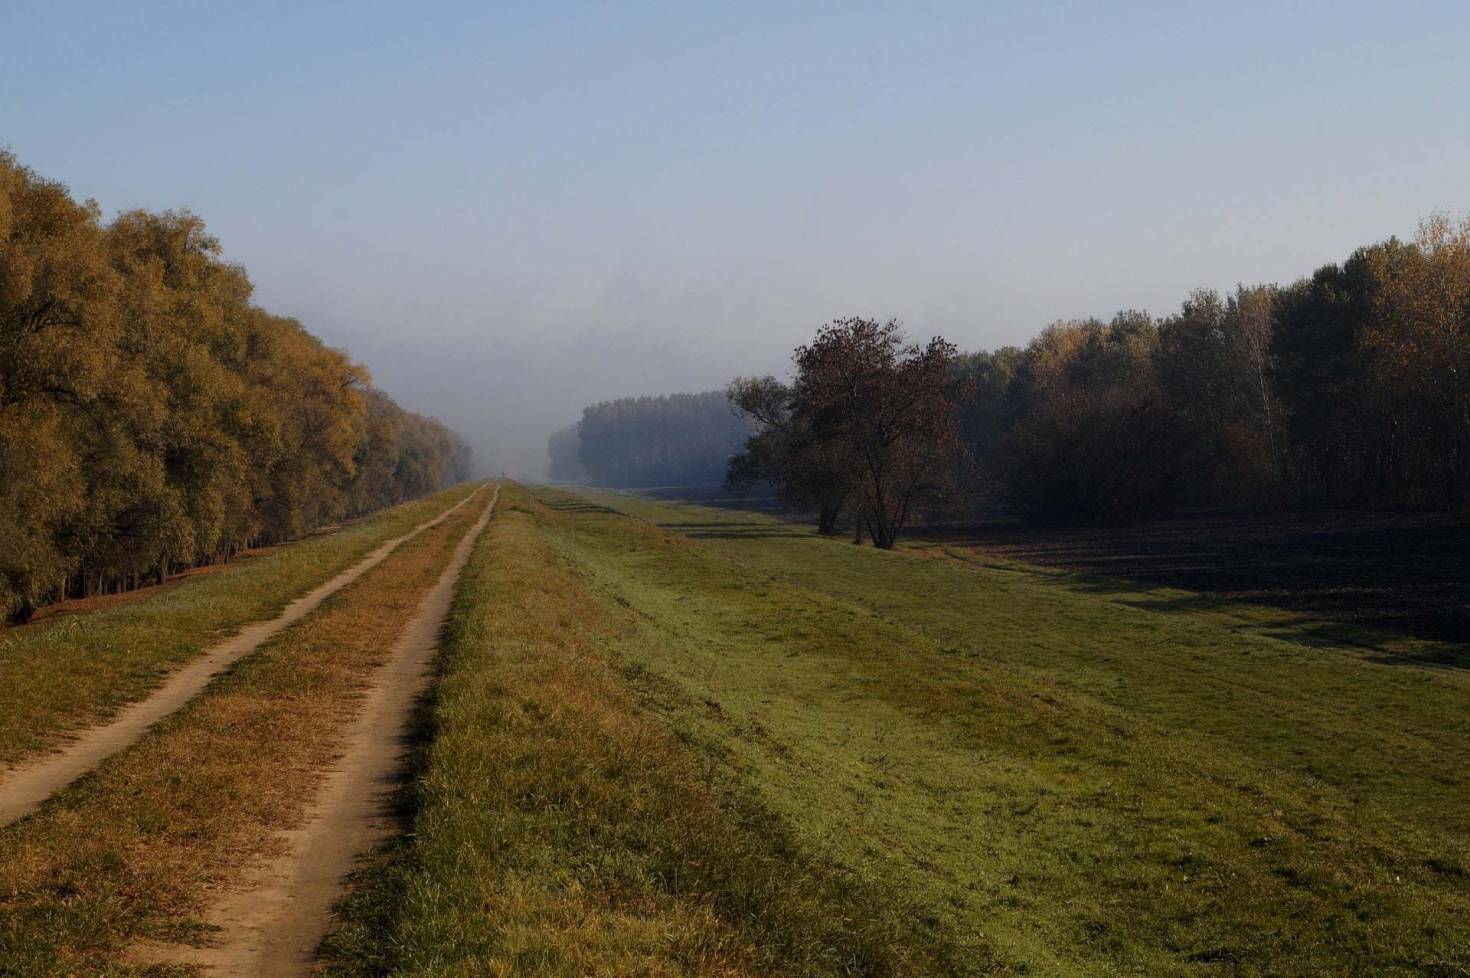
{"points": [[509, 211]]}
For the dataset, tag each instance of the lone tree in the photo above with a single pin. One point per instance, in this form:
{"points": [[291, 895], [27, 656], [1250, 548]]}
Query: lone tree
{"points": [[871, 425], [890, 408]]}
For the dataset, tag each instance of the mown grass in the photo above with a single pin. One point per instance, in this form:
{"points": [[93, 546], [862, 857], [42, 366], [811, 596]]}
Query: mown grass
{"points": [[1092, 778], [77, 669], [559, 828], [127, 855], [1353, 707]]}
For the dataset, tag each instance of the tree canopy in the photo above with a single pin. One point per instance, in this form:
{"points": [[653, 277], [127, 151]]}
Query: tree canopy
{"points": [[1350, 388], [152, 417]]}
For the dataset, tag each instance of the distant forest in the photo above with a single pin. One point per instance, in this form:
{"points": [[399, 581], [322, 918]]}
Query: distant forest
{"points": [[678, 440], [153, 418], [1347, 389]]}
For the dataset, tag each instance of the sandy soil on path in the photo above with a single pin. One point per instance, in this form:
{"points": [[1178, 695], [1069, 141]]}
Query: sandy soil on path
{"points": [[34, 779], [271, 926]]}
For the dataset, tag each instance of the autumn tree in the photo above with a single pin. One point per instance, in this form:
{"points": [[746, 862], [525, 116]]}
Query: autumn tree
{"points": [[1215, 367], [58, 357], [1094, 437], [887, 410], [152, 417], [1343, 438], [808, 472], [1417, 354], [986, 413]]}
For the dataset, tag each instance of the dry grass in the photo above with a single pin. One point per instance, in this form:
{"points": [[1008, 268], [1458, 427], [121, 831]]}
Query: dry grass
{"points": [[73, 670], [129, 853], [559, 828]]}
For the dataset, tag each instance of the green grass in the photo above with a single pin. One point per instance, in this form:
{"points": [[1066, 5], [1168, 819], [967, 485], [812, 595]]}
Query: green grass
{"points": [[126, 860], [559, 828], [77, 669], [1088, 777], [724, 746]]}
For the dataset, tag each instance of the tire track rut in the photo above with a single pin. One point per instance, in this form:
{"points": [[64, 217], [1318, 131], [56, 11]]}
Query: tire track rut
{"points": [[32, 780], [272, 925]]}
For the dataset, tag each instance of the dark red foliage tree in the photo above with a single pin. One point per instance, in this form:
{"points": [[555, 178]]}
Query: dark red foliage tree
{"points": [[887, 412]]}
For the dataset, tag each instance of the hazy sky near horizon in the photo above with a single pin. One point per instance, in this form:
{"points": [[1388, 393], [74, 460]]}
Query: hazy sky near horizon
{"points": [[508, 211]]}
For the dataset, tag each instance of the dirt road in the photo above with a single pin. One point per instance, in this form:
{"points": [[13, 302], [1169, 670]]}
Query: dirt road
{"points": [[272, 925], [25, 786]]}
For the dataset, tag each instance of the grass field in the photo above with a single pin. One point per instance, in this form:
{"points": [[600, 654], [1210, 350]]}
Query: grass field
{"points": [[70, 670], [673, 740], [696, 747], [560, 828], [123, 861]]}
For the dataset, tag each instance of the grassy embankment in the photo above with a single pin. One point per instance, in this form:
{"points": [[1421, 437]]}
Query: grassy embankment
{"points": [[73, 670], [1078, 776], [560, 828], [130, 853]]}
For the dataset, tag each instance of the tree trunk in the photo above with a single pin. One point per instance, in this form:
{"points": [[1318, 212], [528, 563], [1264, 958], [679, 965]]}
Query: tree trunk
{"points": [[827, 520]]}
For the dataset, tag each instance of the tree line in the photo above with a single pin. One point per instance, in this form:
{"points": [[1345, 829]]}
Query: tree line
{"points": [[563, 449], [1350, 388], [681, 439], [153, 418], [1347, 389]]}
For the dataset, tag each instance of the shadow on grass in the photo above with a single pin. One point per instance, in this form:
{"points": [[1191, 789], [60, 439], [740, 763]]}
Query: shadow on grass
{"points": [[718, 530], [1401, 573], [1302, 628], [580, 506]]}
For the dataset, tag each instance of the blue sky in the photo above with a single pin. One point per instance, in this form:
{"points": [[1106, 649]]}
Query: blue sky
{"points": [[510, 210]]}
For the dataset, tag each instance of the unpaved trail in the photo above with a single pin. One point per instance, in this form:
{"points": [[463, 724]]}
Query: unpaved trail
{"points": [[31, 781], [271, 926]]}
